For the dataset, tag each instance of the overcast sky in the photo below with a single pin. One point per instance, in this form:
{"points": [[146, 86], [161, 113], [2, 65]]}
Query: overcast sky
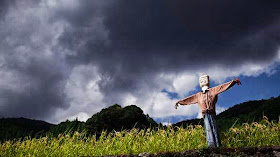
{"points": [[67, 58]]}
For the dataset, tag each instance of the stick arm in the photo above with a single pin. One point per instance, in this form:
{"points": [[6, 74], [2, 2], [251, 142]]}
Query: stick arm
{"points": [[223, 87], [187, 101]]}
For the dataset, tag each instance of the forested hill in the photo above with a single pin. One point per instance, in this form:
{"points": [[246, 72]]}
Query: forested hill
{"points": [[245, 112], [21, 127], [112, 118], [117, 118]]}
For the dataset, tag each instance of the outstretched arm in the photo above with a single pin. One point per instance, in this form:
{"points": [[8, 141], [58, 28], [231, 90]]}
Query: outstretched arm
{"points": [[187, 101], [223, 87]]}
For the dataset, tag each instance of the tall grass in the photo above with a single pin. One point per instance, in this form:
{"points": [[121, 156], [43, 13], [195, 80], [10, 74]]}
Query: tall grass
{"points": [[138, 141], [264, 133]]}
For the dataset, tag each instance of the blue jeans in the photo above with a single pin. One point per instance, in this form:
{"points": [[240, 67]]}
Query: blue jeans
{"points": [[211, 130]]}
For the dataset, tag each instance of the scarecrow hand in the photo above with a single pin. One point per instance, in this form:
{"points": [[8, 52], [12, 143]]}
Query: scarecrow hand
{"points": [[176, 105], [237, 81]]}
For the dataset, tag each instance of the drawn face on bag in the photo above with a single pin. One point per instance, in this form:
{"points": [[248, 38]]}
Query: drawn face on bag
{"points": [[204, 81]]}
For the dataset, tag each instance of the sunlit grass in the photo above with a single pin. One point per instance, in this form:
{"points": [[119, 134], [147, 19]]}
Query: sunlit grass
{"points": [[138, 141], [264, 133]]}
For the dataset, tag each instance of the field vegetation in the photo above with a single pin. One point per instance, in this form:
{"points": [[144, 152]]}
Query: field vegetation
{"points": [[136, 141]]}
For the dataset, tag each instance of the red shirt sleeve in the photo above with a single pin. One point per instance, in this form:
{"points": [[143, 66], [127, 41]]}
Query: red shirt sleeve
{"points": [[189, 100], [223, 87]]}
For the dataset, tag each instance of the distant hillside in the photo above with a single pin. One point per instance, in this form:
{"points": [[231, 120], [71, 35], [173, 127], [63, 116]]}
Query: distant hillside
{"points": [[112, 118], [20, 127], [117, 118], [67, 127], [245, 112]]}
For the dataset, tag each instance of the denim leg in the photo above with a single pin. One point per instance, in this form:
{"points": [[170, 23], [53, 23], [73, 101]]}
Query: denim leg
{"points": [[216, 132], [208, 130], [212, 134]]}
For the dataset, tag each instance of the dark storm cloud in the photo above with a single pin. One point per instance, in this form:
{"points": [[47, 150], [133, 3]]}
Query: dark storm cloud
{"points": [[129, 41], [4, 6], [177, 29], [42, 94], [33, 73], [151, 36], [183, 32]]}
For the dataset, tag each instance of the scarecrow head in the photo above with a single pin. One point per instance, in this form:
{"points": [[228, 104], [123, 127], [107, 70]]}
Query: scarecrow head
{"points": [[204, 82]]}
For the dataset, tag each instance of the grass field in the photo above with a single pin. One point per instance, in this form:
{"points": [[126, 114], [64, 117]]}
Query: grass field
{"points": [[136, 141]]}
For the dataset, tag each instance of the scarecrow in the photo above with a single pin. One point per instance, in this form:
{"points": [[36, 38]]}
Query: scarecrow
{"points": [[207, 100]]}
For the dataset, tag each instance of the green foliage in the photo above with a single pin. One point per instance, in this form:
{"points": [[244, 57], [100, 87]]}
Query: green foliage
{"points": [[114, 117], [264, 133], [138, 141], [117, 118], [21, 127], [248, 112], [67, 127]]}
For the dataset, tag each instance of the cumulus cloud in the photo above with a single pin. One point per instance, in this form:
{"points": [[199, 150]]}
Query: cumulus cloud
{"points": [[184, 83], [67, 59], [85, 97]]}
